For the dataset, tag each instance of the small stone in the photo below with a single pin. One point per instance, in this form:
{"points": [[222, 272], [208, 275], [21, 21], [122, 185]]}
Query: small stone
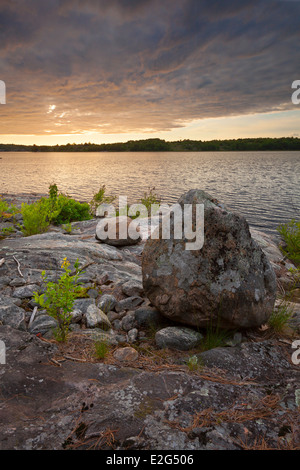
{"points": [[93, 293], [11, 314], [17, 282], [117, 325], [148, 316], [94, 318], [235, 340], [128, 322], [175, 337], [83, 304], [4, 281], [97, 334], [112, 316], [132, 335], [107, 302], [43, 324], [126, 354], [132, 288], [76, 316], [25, 292], [122, 225], [129, 303], [121, 338]]}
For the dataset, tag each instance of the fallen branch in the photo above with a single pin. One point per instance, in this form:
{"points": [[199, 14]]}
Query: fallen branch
{"points": [[18, 265], [55, 362], [74, 359], [2, 261], [32, 316]]}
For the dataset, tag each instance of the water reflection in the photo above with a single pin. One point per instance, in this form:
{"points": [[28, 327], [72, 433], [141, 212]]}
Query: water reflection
{"points": [[263, 186]]}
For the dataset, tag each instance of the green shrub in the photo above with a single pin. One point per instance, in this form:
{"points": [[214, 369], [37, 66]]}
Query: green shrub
{"points": [[58, 298], [3, 206], [56, 209], [280, 317], [193, 363], [7, 230], [290, 233], [149, 199], [66, 209], [214, 337], [7, 209], [36, 217], [101, 349], [100, 198], [69, 210]]}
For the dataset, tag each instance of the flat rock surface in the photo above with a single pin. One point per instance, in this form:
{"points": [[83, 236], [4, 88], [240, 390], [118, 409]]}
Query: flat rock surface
{"points": [[240, 397], [102, 405]]}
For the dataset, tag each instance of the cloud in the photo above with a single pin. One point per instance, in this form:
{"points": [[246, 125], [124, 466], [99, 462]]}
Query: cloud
{"points": [[124, 66]]}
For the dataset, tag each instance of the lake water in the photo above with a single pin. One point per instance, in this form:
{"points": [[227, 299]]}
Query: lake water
{"points": [[262, 186]]}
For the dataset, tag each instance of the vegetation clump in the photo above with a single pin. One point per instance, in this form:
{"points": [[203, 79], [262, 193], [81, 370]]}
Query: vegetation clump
{"points": [[55, 209], [100, 198], [151, 201], [290, 233], [7, 210], [101, 349], [58, 298]]}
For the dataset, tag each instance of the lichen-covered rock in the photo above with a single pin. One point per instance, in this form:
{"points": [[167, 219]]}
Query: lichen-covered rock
{"points": [[94, 318], [229, 282], [132, 288], [107, 302], [180, 338], [129, 303], [11, 314]]}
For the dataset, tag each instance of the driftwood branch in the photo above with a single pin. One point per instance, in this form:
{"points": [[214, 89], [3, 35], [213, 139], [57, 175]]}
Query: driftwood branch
{"points": [[18, 265]]}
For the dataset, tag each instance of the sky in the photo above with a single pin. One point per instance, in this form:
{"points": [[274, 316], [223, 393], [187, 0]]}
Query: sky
{"points": [[111, 71]]}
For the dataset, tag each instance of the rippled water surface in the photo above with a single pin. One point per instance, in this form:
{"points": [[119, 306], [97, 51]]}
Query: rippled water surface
{"points": [[263, 186]]}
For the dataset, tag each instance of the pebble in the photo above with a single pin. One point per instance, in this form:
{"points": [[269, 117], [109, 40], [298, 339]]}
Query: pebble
{"points": [[126, 354], [132, 335]]}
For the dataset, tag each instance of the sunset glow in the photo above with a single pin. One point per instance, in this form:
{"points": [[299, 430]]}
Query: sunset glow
{"points": [[113, 71]]}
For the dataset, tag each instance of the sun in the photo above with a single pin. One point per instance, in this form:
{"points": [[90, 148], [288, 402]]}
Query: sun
{"points": [[51, 108]]}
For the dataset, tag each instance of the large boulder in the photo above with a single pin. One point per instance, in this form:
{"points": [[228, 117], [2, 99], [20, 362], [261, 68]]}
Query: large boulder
{"points": [[228, 282]]}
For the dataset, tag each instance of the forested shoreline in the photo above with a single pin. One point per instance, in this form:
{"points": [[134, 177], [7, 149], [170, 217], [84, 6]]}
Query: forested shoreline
{"points": [[159, 145]]}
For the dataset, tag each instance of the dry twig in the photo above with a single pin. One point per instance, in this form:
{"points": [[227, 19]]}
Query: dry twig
{"points": [[19, 266]]}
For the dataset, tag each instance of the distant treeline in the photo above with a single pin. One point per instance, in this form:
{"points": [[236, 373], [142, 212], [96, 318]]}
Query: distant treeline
{"points": [[159, 145]]}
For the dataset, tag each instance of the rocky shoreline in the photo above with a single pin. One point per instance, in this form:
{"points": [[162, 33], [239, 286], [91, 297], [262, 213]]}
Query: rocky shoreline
{"points": [[155, 388]]}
